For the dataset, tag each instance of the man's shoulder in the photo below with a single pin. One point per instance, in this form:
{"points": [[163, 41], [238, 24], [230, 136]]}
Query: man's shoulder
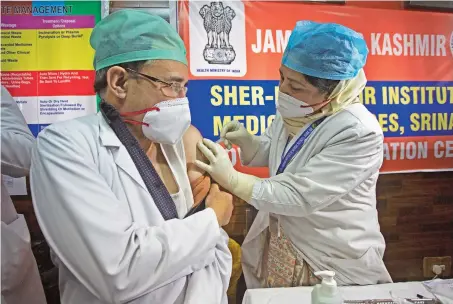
{"points": [[190, 139]]}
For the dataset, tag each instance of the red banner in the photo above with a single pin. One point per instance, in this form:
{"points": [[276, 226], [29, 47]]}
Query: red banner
{"points": [[234, 76]]}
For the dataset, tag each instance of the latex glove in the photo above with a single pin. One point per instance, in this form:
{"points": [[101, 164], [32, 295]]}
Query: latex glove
{"points": [[235, 133], [222, 171]]}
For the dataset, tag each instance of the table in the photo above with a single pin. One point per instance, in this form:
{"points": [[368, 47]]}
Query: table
{"points": [[302, 295]]}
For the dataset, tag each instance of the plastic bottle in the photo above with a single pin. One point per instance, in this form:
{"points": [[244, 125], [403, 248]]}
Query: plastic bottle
{"points": [[327, 292]]}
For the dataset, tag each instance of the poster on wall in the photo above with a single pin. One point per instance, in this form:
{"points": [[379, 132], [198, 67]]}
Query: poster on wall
{"points": [[47, 60], [235, 49]]}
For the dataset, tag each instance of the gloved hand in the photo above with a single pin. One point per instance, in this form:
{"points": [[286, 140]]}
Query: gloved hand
{"points": [[222, 171], [235, 133]]}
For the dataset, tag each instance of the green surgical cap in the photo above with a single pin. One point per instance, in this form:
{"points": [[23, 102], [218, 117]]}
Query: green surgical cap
{"points": [[131, 35]]}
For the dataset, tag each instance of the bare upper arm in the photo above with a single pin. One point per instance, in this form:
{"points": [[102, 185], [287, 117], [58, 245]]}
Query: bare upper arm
{"points": [[190, 140]]}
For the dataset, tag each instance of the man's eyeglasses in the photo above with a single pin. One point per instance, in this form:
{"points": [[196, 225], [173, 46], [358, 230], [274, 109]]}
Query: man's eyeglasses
{"points": [[173, 89]]}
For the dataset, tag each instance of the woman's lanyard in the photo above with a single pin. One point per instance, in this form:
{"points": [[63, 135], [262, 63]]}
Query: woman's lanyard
{"points": [[288, 157]]}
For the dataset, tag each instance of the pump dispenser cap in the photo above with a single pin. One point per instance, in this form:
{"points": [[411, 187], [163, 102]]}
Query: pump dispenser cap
{"points": [[328, 284], [326, 275]]}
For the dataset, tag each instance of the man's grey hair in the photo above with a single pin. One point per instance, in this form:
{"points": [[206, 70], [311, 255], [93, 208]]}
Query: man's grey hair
{"points": [[100, 81]]}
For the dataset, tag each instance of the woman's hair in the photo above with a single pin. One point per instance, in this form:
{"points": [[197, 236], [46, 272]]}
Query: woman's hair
{"points": [[325, 86]]}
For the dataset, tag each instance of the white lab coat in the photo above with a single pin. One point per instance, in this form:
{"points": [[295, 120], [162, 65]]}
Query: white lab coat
{"points": [[111, 242], [325, 200], [21, 283]]}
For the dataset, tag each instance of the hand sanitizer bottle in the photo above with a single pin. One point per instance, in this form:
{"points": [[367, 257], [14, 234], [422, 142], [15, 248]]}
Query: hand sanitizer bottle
{"points": [[327, 292]]}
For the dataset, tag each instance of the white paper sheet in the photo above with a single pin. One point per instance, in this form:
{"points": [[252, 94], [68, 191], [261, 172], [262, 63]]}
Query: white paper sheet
{"points": [[15, 186], [442, 289]]}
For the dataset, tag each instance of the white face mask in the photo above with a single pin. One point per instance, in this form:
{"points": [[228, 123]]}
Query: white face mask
{"points": [[166, 122], [290, 107]]}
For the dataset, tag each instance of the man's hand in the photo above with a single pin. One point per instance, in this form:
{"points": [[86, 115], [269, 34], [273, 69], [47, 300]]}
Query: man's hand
{"points": [[222, 204]]}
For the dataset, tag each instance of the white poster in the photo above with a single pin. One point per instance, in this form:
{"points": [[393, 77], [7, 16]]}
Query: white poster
{"points": [[217, 39], [15, 186]]}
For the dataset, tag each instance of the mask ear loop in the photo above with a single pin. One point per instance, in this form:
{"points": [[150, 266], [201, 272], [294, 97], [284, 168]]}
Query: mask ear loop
{"points": [[323, 103], [135, 122]]}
